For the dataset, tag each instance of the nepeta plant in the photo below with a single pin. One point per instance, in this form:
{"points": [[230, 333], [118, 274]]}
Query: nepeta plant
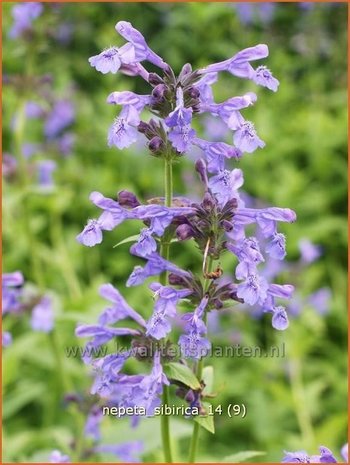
{"points": [[219, 223]]}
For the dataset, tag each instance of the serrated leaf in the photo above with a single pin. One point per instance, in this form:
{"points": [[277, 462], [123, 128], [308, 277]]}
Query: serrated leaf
{"points": [[208, 378], [242, 456], [182, 373], [128, 239]]}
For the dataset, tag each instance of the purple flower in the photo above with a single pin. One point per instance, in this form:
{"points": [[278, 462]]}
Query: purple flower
{"points": [[122, 134], [23, 15], [181, 116], [320, 300], [216, 153], [246, 138], [112, 216], [92, 233], [6, 339], [126, 98], [266, 218], [42, 316], [225, 185], [158, 326], [57, 457], [239, 64], [141, 49], [326, 456], [146, 393], [159, 215], [93, 422], [280, 318], [120, 309], [181, 137], [277, 247], [296, 457], [34, 110], [61, 116], [45, 171], [204, 84], [127, 452], [154, 266], [66, 143], [193, 344], [309, 251], [253, 290], [228, 111], [111, 59], [263, 77], [11, 292], [145, 244]]}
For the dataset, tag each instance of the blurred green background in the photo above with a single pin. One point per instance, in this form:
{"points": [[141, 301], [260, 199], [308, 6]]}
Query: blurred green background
{"points": [[296, 402]]}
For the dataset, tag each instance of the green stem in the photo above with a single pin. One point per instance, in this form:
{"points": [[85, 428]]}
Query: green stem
{"points": [[66, 385], [301, 408], [164, 251], [199, 373]]}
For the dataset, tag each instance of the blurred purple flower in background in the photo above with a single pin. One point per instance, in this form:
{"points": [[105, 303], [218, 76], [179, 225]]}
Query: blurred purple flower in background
{"points": [[23, 15], [42, 316]]}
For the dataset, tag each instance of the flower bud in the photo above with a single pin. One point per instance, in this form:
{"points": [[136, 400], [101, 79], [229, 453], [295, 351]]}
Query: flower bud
{"points": [[143, 127], [159, 92], [218, 304], [154, 79], [127, 199], [176, 280], [155, 144], [193, 92], [232, 204], [201, 169], [184, 231], [227, 225], [186, 70], [208, 202]]}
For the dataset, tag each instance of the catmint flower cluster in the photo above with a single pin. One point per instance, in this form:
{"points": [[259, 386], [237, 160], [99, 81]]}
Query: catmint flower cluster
{"points": [[218, 223]]}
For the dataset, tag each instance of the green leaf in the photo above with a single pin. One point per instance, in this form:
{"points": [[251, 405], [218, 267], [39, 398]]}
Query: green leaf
{"points": [[128, 239], [206, 422], [242, 456], [182, 373], [208, 378]]}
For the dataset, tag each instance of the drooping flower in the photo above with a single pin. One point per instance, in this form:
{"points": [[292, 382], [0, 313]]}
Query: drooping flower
{"points": [[146, 393], [239, 65], [141, 49], [246, 138], [154, 266], [225, 185], [253, 289], [158, 326], [193, 344], [263, 77], [111, 59], [277, 247]]}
